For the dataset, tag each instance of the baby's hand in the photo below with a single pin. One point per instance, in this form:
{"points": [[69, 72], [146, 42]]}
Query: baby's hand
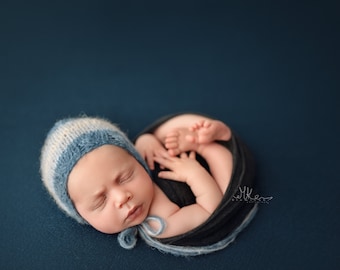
{"points": [[181, 168], [148, 147]]}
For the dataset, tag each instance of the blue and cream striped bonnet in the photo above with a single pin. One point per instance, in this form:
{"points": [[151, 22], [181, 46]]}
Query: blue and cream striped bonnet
{"points": [[68, 141]]}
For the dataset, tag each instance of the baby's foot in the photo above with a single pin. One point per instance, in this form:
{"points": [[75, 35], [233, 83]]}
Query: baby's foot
{"points": [[179, 141], [194, 138], [206, 131]]}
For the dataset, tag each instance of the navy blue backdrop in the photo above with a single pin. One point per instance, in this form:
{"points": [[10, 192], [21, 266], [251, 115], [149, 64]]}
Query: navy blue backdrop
{"points": [[270, 70]]}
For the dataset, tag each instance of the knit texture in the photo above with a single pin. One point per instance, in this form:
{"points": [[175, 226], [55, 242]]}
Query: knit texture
{"points": [[68, 141]]}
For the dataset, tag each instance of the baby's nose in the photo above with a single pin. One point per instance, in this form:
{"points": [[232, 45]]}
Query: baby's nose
{"points": [[121, 198]]}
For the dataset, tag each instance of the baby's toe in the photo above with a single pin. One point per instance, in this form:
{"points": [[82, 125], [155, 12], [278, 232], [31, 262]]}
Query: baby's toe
{"points": [[171, 145], [173, 152]]}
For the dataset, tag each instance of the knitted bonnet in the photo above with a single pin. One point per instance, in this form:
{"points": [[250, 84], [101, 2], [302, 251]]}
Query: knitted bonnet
{"points": [[68, 141]]}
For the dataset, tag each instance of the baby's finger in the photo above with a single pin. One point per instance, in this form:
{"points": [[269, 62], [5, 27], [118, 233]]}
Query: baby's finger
{"points": [[151, 164], [162, 153], [149, 160], [162, 161], [165, 174], [166, 162], [168, 175]]}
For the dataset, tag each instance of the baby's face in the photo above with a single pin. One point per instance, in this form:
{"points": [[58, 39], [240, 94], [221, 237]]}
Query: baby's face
{"points": [[110, 189]]}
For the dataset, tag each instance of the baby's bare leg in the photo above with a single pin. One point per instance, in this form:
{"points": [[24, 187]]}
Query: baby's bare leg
{"points": [[220, 161]]}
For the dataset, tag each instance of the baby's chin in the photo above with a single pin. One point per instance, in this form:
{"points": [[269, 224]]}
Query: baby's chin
{"points": [[108, 231]]}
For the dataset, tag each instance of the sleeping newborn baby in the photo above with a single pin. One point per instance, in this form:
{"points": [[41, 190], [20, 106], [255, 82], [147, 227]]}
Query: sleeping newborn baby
{"points": [[171, 187]]}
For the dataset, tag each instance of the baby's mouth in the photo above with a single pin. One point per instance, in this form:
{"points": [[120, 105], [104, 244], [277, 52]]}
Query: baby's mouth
{"points": [[134, 213]]}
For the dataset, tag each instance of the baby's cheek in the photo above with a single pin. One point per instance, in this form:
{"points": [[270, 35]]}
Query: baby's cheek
{"points": [[106, 227]]}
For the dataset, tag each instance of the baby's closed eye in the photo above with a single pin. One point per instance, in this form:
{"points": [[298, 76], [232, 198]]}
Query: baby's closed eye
{"points": [[99, 202]]}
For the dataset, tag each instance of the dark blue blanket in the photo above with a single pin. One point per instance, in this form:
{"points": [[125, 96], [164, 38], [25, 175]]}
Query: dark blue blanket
{"points": [[271, 71]]}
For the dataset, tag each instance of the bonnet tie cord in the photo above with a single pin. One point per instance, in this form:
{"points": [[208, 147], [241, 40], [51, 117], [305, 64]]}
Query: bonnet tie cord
{"points": [[128, 238], [149, 230]]}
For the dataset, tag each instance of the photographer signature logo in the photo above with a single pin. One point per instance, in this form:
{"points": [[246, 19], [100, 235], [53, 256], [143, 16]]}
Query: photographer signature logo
{"points": [[245, 195]]}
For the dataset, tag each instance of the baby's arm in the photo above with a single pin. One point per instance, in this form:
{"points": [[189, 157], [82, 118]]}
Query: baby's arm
{"points": [[208, 195], [148, 147]]}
